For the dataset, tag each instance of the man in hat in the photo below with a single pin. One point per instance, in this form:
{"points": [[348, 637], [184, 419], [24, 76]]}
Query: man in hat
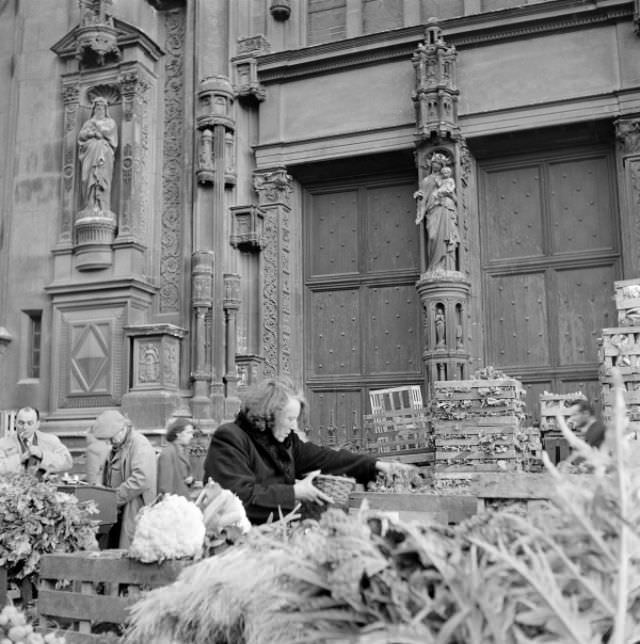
{"points": [[130, 469], [30, 450]]}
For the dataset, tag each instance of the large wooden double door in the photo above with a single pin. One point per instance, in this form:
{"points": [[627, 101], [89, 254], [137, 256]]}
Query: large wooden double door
{"points": [[362, 313], [549, 253]]}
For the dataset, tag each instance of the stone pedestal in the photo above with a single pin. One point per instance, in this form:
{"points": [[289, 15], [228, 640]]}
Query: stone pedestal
{"points": [[154, 396], [94, 236]]}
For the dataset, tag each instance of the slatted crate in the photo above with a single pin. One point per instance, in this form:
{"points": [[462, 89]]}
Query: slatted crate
{"points": [[627, 297], [81, 591], [620, 347], [552, 405]]}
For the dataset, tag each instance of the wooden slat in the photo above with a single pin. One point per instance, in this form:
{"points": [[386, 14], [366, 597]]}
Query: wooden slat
{"points": [[83, 607], [109, 566]]}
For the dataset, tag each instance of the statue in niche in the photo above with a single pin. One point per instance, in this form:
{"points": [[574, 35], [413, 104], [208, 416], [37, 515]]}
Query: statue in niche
{"points": [[437, 207], [97, 143], [440, 325]]}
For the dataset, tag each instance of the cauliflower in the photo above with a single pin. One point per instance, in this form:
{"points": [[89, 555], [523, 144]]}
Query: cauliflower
{"points": [[14, 628], [222, 509], [170, 529]]}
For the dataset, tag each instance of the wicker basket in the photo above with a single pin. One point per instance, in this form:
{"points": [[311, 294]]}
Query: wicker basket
{"points": [[337, 487]]}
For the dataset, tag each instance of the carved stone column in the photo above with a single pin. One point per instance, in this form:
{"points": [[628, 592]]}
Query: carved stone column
{"points": [[274, 189], [202, 264], [231, 304], [442, 159], [628, 164], [154, 393]]}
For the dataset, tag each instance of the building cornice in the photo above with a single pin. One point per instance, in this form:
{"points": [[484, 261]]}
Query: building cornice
{"points": [[467, 31]]}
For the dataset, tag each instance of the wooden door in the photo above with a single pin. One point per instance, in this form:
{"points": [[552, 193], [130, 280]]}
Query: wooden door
{"points": [[362, 310], [550, 253]]}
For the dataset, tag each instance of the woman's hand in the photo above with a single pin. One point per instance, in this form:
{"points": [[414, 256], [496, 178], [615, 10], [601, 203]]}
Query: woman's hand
{"points": [[393, 468], [305, 490]]}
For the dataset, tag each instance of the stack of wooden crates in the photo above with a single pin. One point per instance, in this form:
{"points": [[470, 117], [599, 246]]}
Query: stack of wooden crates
{"points": [[620, 347], [480, 425], [552, 405]]}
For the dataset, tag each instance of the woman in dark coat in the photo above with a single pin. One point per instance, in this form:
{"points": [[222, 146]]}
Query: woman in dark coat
{"points": [[174, 467], [261, 458]]}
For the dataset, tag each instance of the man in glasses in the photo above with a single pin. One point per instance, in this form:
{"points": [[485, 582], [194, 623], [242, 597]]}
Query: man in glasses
{"points": [[129, 468], [30, 450]]}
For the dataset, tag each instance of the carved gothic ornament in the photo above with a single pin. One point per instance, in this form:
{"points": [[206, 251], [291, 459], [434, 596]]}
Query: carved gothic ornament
{"points": [[246, 227], [231, 291], [273, 186], [436, 94], [628, 135], [202, 263], [96, 36], [215, 103], [247, 88]]}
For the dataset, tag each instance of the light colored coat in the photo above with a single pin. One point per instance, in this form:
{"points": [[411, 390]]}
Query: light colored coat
{"points": [[138, 487], [55, 456]]}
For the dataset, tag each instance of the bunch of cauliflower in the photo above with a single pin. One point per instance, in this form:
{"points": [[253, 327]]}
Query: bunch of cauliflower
{"points": [[172, 528], [222, 510], [14, 629]]}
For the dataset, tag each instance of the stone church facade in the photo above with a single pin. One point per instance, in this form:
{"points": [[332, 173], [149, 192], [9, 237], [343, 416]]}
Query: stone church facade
{"points": [[357, 193]]}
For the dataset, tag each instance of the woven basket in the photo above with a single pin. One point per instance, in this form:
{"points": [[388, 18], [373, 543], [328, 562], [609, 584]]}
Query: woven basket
{"points": [[337, 487]]}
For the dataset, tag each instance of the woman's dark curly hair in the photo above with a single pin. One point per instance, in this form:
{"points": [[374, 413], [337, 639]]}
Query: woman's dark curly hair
{"points": [[264, 401], [176, 427]]}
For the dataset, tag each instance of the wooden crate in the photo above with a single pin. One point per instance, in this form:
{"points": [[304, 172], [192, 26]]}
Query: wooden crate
{"points": [[620, 347], [81, 590], [553, 404], [627, 293]]}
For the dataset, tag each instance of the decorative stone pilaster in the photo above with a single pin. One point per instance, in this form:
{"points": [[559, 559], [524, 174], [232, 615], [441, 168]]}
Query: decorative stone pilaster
{"points": [[247, 88], [202, 265], [274, 189], [153, 395], [441, 210], [231, 304], [628, 163], [71, 97]]}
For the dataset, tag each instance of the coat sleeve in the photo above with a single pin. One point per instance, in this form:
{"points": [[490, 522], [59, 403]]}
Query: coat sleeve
{"points": [[166, 473], [232, 462], [142, 477], [55, 456], [309, 456]]}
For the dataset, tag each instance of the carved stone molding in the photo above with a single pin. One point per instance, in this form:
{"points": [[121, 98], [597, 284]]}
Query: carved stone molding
{"points": [[246, 227], [628, 135], [215, 103], [273, 186], [171, 274], [206, 169]]}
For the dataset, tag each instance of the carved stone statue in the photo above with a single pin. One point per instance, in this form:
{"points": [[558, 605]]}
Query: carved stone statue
{"points": [[440, 324], [437, 207], [97, 143]]}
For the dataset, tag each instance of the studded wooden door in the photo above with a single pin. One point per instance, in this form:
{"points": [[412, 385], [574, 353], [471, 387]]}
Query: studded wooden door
{"points": [[362, 311], [550, 253]]}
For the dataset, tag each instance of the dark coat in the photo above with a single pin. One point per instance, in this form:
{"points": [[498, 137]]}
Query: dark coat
{"points": [[262, 471], [173, 468]]}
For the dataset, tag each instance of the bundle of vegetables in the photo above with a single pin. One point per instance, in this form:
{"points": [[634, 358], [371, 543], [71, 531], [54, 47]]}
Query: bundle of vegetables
{"points": [[569, 573], [224, 514], [36, 519], [171, 528]]}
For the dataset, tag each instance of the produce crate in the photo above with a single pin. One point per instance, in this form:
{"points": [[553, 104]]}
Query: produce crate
{"points": [[553, 404], [404, 434], [620, 347], [80, 591], [627, 297]]}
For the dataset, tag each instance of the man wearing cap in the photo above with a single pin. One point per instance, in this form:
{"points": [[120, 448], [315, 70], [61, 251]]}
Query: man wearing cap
{"points": [[30, 450], [130, 469]]}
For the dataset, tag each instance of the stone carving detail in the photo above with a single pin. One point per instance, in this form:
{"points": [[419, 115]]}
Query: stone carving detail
{"points": [[97, 143], [247, 227], [170, 365], [628, 135], [206, 168], [436, 95], [149, 363], [273, 186], [270, 294], [71, 96], [96, 36], [437, 208], [245, 69], [172, 180]]}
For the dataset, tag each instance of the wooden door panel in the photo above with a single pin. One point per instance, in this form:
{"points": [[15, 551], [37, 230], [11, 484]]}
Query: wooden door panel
{"points": [[335, 332], [392, 240], [584, 307], [392, 330], [513, 213], [334, 415], [334, 233], [580, 205], [518, 320]]}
